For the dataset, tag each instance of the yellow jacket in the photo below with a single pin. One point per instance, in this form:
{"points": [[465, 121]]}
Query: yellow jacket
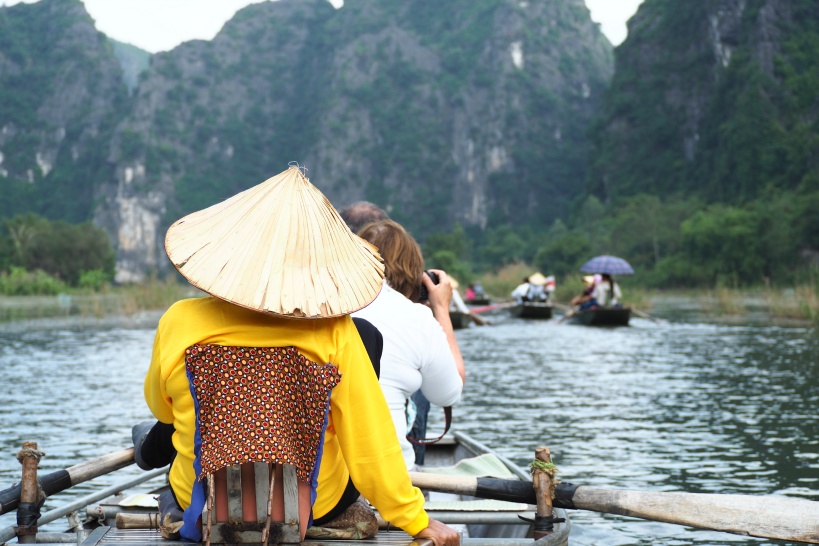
{"points": [[360, 441]]}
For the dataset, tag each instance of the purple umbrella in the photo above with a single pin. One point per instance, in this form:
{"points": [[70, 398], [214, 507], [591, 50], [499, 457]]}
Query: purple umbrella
{"points": [[611, 265]]}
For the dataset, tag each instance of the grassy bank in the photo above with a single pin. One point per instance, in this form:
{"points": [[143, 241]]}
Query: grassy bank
{"points": [[124, 301], [799, 302], [793, 303]]}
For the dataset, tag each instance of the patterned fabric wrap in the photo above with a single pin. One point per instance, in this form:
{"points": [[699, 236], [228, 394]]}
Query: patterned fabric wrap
{"points": [[259, 404]]}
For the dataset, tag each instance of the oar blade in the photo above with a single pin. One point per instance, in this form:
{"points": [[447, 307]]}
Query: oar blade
{"points": [[773, 517]]}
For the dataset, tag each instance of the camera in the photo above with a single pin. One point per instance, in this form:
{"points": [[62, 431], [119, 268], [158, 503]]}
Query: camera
{"points": [[424, 293]]}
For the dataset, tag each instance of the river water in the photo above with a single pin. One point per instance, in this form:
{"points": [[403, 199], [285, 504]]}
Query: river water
{"points": [[692, 404]]}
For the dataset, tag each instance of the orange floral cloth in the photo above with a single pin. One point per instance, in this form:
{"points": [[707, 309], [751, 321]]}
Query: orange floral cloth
{"points": [[259, 404]]}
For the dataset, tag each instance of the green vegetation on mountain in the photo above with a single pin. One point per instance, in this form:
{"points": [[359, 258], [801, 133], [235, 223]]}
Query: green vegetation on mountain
{"points": [[705, 160], [61, 94], [493, 129]]}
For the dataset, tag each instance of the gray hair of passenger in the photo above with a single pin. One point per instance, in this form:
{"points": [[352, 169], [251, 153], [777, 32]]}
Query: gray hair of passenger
{"points": [[361, 213]]}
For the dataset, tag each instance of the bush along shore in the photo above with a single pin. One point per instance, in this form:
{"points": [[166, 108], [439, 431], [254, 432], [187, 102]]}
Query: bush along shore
{"points": [[127, 300]]}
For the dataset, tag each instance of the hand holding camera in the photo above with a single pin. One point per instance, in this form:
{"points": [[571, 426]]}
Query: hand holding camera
{"points": [[436, 291], [424, 297]]}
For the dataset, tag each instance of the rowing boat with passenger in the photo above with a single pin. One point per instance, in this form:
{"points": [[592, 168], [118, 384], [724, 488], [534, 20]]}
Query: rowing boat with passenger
{"points": [[132, 504], [600, 316], [532, 309]]}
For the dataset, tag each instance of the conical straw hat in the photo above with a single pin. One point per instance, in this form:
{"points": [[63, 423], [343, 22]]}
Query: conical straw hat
{"points": [[453, 283], [279, 247], [537, 279]]}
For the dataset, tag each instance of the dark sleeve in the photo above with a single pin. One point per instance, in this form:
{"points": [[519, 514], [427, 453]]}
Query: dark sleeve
{"points": [[157, 449], [373, 342]]}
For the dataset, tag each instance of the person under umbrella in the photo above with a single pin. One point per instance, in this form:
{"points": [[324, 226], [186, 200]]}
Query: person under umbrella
{"points": [[606, 291]]}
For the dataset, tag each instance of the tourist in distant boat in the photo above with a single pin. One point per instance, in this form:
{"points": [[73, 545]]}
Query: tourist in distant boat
{"points": [[607, 292], [475, 292], [541, 288], [469, 293], [457, 304], [551, 285], [309, 324], [420, 349], [521, 292], [586, 300], [535, 287]]}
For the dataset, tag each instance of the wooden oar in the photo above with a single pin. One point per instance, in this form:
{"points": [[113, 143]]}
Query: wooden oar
{"points": [[775, 517], [647, 316], [492, 307], [479, 320], [61, 480], [562, 307], [569, 314]]}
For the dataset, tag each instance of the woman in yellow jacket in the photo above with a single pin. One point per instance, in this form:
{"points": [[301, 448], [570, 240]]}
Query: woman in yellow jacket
{"points": [[283, 271]]}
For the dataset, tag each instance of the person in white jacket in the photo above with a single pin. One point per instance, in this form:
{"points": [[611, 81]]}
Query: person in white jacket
{"points": [[607, 292], [420, 349]]}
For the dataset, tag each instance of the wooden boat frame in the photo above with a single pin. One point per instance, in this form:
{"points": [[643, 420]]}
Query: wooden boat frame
{"points": [[532, 309], [601, 316], [460, 320], [498, 526]]}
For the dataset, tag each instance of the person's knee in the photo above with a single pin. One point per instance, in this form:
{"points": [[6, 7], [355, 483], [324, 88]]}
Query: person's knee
{"points": [[139, 433], [153, 444]]}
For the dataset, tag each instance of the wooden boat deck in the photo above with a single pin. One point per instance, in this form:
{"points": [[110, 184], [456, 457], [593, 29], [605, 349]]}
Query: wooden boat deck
{"points": [[146, 537]]}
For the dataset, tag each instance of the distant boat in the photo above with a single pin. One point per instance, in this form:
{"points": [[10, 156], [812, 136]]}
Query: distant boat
{"points": [[601, 316], [532, 309], [460, 319], [482, 300]]}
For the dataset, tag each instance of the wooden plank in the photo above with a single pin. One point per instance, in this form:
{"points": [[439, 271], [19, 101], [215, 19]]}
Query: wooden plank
{"points": [[147, 537], [234, 491], [96, 536], [262, 474], [290, 530]]}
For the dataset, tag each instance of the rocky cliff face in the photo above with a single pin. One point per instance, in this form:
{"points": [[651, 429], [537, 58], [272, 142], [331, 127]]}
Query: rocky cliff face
{"points": [[704, 97], [61, 92], [465, 111]]}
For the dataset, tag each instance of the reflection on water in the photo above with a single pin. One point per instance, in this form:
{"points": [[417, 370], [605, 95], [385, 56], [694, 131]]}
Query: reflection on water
{"points": [[680, 406]]}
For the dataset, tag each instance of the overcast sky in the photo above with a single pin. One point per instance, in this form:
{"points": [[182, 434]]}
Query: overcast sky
{"points": [[160, 25]]}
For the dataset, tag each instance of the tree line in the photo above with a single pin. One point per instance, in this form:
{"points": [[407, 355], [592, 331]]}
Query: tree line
{"points": [[41, 256], [673, 243]]}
